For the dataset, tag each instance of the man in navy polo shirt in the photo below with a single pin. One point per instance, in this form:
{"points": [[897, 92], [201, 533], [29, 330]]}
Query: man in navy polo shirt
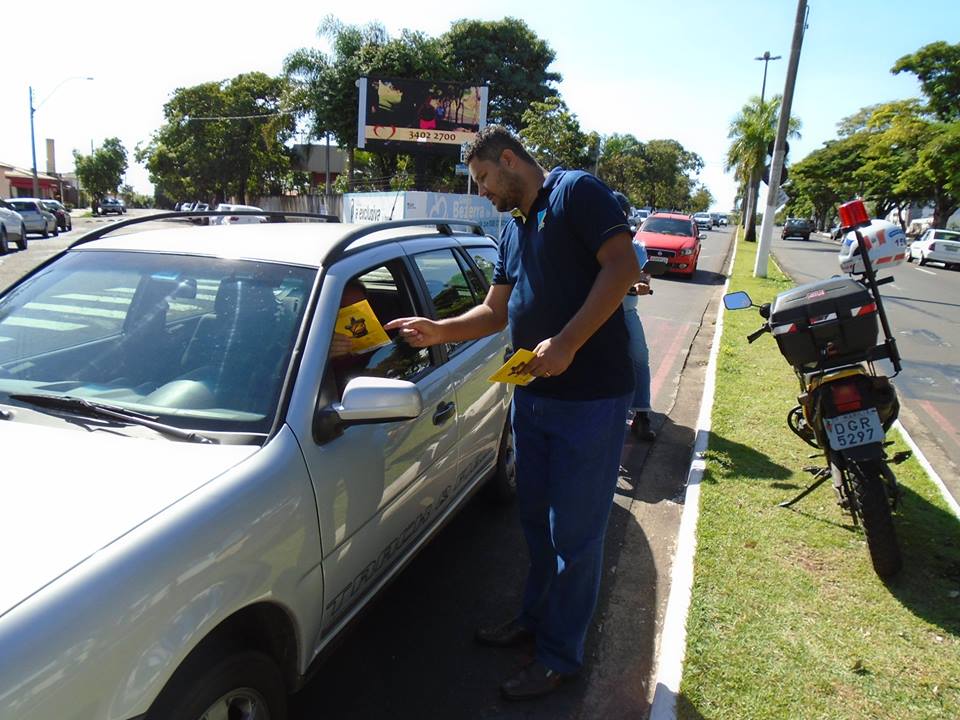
{"points": [[566, 262]]}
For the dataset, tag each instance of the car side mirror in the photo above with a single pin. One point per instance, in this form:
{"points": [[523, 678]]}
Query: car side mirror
{"points": [[368, 400]]}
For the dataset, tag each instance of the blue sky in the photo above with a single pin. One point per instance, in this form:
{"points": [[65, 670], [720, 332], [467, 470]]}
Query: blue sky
{"points": [[677, 70]]}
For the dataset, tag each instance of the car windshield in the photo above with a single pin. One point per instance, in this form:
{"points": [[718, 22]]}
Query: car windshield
{"points": [[23, 206], [201, 343], [793, 221], [946, 235], [667, 226]]}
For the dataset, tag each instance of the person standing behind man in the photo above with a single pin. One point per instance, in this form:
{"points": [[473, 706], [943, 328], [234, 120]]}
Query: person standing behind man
{"points": [[639, 351], [566, 261]]}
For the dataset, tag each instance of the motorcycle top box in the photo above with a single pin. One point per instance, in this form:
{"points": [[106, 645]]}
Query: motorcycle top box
{"points": [[827, 322]]}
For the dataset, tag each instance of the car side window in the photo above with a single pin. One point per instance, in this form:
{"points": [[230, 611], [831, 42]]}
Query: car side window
{"points": [[485, 259], [386, 290], [446, 279]]}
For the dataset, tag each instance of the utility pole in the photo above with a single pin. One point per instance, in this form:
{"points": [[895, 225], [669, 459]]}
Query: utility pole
{"points": [[33, 148], [766, 57], [773, 189]]}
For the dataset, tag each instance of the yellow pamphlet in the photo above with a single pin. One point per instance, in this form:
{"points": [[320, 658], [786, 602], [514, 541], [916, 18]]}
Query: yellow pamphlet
{"points": [[509, 373], [359, 323]]}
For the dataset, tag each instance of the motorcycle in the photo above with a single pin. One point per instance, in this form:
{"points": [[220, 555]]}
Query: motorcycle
{"points": [[827, 331]]}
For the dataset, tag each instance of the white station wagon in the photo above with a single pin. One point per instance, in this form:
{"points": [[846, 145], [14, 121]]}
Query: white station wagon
{"points": [[199, 493]]}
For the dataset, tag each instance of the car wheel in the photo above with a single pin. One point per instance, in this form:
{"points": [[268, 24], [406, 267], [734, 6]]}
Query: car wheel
{"points": [[502, 487], [923, 260], [22, 243], [69, 224], [56, 230], [909, 257], [246, 685], [4, 248]]}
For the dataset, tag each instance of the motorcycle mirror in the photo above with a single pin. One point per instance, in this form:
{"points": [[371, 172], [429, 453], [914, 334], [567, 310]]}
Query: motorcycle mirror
{"points": [[654, 268], [737, 300]]}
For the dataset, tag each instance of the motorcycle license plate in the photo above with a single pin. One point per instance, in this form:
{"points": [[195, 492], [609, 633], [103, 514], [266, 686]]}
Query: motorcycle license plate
{"points": [[852, 429]]}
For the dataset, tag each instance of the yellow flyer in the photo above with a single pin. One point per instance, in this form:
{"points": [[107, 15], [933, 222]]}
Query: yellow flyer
{"points": [[359, 323], [510, 372]]}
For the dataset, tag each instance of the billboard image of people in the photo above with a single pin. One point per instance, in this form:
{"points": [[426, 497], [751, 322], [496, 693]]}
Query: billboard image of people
{"points": [[419, 115]]}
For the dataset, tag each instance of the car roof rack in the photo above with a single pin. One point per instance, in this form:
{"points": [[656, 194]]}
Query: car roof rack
{"points": [[98, 233], [442, 225]]}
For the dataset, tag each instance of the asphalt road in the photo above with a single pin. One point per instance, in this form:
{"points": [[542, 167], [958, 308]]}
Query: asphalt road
{"points": [[411, 655], [921, 305]]}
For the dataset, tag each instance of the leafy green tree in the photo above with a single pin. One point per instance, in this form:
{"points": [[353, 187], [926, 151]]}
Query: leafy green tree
{"points": [[223, 139], [667, 182], [937, 66], [101, 172], [553, 136], [509, 57], [751, 131], [700, 200]]}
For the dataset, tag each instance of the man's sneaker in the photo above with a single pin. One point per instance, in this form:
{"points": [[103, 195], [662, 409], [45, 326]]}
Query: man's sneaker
{"points": [[534, 681], [640, 427]]}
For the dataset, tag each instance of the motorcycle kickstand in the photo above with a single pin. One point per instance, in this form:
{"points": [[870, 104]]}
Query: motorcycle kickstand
{"points": [[822, 474]]}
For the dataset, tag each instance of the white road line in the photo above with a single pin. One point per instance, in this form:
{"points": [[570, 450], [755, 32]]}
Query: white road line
{"points": [[928, 272]]}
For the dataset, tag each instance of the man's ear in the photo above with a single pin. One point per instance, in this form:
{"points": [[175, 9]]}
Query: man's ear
{"points": [[508, 158]]}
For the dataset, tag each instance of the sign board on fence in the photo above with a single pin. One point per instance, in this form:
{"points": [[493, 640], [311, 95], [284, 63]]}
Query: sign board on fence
{"points": [[380, 206]]}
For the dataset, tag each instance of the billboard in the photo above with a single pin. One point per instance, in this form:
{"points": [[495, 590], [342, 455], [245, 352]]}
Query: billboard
{"points": [[419, 115]]}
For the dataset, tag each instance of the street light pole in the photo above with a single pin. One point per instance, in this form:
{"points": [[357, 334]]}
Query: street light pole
{"points": [[33, 147], [766, 57], [33, 142], [753, 191]]}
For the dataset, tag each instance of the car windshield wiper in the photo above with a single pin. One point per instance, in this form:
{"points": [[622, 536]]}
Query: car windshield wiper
{"points": [[112, 412]]}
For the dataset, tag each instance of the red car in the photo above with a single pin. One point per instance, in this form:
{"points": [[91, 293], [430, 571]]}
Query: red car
{"points": [[672, 238]]}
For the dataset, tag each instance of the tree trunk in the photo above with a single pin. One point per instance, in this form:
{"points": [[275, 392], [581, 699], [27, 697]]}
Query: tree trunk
{"points": [[751, 234], [944, 206]]}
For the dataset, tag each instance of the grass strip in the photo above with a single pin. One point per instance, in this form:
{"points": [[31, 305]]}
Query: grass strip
{"points": [[787, 618]]}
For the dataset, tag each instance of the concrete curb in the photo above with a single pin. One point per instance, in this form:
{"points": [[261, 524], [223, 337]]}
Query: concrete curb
{"points": [[673, 638], [931, 473]]}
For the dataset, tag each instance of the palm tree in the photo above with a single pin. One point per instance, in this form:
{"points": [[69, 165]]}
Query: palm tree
{"points": [[752, 131]]}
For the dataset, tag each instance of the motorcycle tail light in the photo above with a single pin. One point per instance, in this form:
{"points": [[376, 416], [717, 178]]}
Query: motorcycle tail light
{"points": [[846, 396]]}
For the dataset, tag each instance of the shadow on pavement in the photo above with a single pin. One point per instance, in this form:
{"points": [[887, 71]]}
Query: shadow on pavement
{"points": [[700, 277]]}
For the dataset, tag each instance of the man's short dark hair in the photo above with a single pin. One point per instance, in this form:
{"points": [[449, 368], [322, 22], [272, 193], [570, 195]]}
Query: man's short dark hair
{"points": [[490, 143]]}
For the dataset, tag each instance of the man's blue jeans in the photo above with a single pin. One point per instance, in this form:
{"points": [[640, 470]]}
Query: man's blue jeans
{"points": [[568, 456], [639, 354]]}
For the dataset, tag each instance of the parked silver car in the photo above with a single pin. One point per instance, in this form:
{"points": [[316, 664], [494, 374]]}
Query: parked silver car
{"points": [[12, 228], [37, 219], [226, 491]]}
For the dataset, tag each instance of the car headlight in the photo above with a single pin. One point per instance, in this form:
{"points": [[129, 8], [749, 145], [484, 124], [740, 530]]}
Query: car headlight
{"points": [[686, 251]]}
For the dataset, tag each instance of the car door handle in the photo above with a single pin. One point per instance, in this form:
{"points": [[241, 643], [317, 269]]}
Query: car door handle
{"points": [[443, 413]]}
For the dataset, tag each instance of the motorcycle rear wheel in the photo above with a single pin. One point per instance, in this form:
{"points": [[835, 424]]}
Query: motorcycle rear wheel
{"points": [[872, 507]]}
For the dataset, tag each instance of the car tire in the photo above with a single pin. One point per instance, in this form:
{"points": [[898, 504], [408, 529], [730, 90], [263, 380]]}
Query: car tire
{"points": [[246, 684], [4, 247], [56, 230], [909, 257], [923, 260], [22, 242], [502, 487]]}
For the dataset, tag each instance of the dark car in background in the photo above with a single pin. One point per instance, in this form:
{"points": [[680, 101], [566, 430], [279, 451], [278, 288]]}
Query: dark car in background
{"points": [[797, 228], [111, 205], [64, 221]]}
